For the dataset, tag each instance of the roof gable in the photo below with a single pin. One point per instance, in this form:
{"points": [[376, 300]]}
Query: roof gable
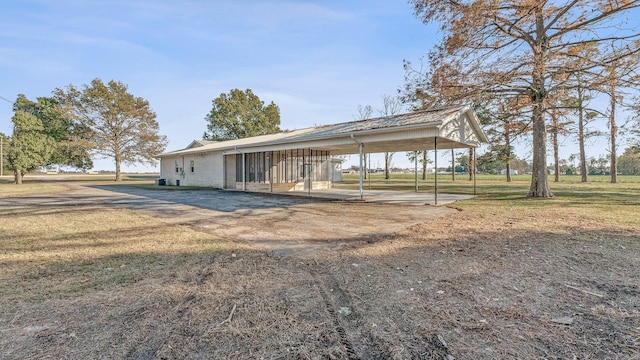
{"points": [[199, 143]]}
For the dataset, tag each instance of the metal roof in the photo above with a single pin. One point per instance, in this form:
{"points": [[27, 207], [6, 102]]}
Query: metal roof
{"points": [[454, 127]]}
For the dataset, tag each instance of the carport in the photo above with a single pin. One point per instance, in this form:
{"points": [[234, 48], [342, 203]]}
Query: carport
{"points": [[295, 161], [386, 197]]}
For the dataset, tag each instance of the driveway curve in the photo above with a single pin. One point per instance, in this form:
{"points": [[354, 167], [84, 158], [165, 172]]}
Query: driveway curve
{"points": [[277, 223]]}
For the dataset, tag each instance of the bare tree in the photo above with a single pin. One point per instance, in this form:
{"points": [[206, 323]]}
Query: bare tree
{"points": [[391, 105], [521, 48], [504, 123], [613, 126], [422, 157], [557, 128], [580, 104], [364, 113], [620, 75], [123, 126]]}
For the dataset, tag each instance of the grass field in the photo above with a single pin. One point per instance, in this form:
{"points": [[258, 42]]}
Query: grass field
{"points": [[503, 277], [598, 196], [487, 186], [48, 184]]}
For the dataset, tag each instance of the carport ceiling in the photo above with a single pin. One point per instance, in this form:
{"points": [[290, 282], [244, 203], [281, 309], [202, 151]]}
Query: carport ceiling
{"points": [[393, 146]]}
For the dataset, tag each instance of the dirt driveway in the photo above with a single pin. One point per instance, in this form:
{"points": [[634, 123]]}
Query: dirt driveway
{"points": [[281, 224]]}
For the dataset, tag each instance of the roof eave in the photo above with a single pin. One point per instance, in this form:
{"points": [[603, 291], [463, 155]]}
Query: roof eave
{"points": [[242, 148]]}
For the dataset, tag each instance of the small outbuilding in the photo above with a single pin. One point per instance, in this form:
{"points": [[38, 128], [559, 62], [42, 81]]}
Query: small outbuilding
{"points": [[305, 159]]}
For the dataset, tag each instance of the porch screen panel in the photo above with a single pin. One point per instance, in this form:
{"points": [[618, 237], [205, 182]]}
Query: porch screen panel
{"points": [[239, 168]]}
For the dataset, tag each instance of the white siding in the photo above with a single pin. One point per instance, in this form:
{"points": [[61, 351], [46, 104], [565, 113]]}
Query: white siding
{"points": [[208, 170], [459, 129], [168, 171]]}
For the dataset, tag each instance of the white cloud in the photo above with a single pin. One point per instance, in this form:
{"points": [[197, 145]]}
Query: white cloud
{"points": [[317, 60]]}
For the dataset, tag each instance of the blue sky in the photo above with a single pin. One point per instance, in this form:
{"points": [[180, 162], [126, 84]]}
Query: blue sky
{"points": [[317, 60]]}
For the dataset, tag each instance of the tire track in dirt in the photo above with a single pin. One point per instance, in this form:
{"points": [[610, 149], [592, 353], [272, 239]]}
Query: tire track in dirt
{"points": [[149, 348], [347, 319], [329, 306]]}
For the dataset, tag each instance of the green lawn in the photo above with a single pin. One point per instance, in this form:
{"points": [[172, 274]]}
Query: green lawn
{"points": [[596, 197], [492, 186], [48, 184]]}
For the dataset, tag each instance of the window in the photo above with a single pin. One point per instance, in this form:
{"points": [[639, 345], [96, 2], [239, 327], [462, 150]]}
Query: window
{"points": [[193, 165], [177, 169]]}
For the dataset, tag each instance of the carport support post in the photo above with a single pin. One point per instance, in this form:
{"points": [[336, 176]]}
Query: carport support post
{"points": [[244, 177], [435, 163], [361, 165]]}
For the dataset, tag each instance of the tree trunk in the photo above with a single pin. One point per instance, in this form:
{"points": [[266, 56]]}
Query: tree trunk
{"points": [[364, 167], [17, 176], [118, 176], [614, 159], [471, 164], [387, 164], [614, 132], [554, 140], [507, 141], [539, 180], [453, 166], [424, 165], [583, 156]]}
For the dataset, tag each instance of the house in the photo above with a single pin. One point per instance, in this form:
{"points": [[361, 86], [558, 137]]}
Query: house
{"points": [[512, 171], [304, 159]]}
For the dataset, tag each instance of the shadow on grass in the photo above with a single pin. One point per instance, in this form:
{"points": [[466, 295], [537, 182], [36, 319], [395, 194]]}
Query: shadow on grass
{"points": [[205, 198], [142, 301], [65, 279]]}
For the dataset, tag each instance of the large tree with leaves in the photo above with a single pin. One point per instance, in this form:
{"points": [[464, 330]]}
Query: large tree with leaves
{"points": [[123, 127], [4, 147], [240, 114], [30, 146], [521, 48], [71, 137], [629, 161]]}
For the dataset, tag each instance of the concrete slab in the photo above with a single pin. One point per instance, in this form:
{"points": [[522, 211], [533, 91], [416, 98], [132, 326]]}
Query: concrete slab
{"points": [[383, 197]]}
